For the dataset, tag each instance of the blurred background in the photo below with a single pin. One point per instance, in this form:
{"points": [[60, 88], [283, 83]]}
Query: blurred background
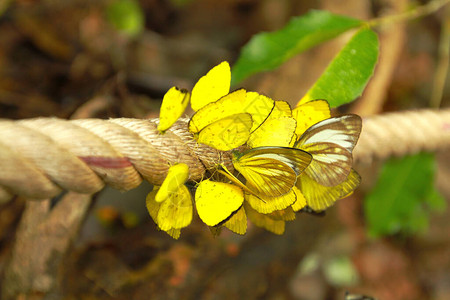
{"points": [[117, 58]]}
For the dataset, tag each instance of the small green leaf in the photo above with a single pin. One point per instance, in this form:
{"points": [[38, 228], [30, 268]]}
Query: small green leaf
{"points": [[266, 51], [348, 73], [403, 196], [126, 16]]}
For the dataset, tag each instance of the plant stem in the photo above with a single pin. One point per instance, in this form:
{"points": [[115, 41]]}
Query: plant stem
{"points": [[419, 11]]}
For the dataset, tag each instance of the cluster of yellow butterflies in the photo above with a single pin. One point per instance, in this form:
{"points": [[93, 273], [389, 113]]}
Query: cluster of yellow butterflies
{"points": [[284, 160]]}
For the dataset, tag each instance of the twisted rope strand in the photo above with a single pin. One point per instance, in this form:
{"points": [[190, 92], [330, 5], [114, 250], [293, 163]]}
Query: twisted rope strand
{"points": [[41, 157], [402, 133]]}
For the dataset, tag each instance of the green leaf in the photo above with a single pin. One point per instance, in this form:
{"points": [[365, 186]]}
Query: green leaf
{"points": [[266, 51], [348, 73], [403, 196], [126, 16]]}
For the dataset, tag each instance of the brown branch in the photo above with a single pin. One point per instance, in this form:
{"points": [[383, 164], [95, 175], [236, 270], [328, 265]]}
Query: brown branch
{"points": [[43, 238]]}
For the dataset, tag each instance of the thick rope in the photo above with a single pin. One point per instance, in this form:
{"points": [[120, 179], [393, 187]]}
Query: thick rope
{"points": [[402, 133], [41, 157]]}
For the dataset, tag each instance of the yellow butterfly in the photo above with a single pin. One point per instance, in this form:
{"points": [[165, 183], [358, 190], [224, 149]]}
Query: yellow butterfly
{"points": [[320, 197], [264, 221], [173, 105], [237, 102], [259, 107], [277, 130], [269, 205], [227, 123], [211, 87], [237, 222], [274, 132], [330, 176], [227, 133], [176, 212], [216, 201], [309, 113], [176, 177], [300, 201], [330, 142], [268, 171], [172, 215], [226, 106], [286, 214], [170, 206]]}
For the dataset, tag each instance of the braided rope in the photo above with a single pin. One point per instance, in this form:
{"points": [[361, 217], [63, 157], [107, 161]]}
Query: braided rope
{"points": [[41, 157], [402, 133]]}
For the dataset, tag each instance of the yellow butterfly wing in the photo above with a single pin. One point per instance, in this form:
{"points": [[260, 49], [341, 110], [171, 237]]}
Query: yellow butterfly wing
{"points": [[300, 199], [237, 102], [237, 222], [176, 212], [286, 214], [277, 130], [153, 208], [263, 204], [228, 105], [331, 142], [216, 201], [173, 105], [319, 197], [281, 109], [269, 205], [331, 164], [174, 233], [232, 178], [266, 177], [274, 132], [176, 177], [264, 221], [211, 87], [152, 205], [227, 133], [310, 113], [259, 107], [271, 171]]}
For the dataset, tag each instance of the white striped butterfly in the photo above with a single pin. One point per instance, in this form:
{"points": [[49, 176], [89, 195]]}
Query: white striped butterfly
{"points": [[330, 176], [330, 142]]}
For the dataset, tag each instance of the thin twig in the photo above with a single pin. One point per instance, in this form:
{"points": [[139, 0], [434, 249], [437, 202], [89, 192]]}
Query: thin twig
{"points": [[408, 15], [443, 61]]}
